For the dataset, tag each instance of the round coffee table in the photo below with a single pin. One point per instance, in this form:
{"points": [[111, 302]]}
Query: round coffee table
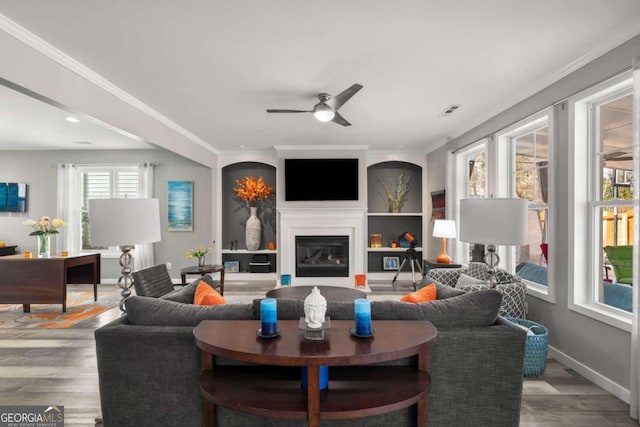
{"points": [[331, 293]]}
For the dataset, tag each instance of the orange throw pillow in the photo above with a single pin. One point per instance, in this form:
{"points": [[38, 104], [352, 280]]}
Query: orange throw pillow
{"points": [[206, 295], [428, 293]]}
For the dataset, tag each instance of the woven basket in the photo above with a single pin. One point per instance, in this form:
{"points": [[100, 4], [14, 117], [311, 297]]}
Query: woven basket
{"points": [[535, 355]]}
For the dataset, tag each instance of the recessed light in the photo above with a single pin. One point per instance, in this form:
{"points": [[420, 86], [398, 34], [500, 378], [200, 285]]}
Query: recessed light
{"points": [[72, 119], [82, 142]]}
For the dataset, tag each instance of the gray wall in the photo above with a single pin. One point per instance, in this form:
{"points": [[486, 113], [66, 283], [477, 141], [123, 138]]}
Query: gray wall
{"points": [[38, 170], [592, 346]]}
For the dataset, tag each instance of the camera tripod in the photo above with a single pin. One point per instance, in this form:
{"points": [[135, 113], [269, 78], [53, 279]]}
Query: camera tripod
{"points": [[410, 255]]}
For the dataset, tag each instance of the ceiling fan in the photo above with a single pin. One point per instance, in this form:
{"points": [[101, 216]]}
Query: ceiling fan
{"points": [[327, 109], [618, 156]]}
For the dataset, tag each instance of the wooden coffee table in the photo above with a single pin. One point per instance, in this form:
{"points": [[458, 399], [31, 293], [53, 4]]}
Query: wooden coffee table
{"points": [[331, 293], [271, 387]]}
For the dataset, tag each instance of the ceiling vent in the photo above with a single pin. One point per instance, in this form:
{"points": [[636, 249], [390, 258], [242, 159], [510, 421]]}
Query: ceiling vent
{"points": [[450, 110]]}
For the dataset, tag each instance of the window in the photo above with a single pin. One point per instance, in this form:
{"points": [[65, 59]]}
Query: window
{"points": [[528, 145], [471, 182], [603, 200], [105, 183]]}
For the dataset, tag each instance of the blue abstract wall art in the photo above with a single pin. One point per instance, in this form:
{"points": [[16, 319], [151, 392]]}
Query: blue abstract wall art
{"points": [[180, 209]]}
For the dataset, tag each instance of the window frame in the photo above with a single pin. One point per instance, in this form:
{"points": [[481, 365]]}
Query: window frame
{"points": [[462, 249], [506, 174], [584, 237]]}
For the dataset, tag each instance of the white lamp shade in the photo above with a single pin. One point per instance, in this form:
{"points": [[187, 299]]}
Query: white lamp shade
{"points": [[494, 221], [444, 228], [122, 222]]}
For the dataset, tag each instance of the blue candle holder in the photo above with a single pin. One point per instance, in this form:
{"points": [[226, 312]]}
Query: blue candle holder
{"points": [[362, 307], [268, 317]]}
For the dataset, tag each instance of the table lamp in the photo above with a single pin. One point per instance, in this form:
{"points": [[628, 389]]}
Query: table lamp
{"points": [[446, 229], [493, 222], [124, 223]]}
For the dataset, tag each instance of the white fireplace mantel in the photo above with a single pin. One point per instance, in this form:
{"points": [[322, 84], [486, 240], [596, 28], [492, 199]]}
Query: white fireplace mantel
{"points": [[315, 221]]}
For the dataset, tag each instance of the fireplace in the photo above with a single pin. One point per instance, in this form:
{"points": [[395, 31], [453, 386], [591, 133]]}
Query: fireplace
{"points": [[347, 223], [322, 256]]}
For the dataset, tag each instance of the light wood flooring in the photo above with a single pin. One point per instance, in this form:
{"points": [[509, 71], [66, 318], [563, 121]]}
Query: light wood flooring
{"points": [[58, 366]]}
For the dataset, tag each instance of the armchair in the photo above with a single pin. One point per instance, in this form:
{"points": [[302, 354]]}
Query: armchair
{"points": [[621, 259], [152, 281]]}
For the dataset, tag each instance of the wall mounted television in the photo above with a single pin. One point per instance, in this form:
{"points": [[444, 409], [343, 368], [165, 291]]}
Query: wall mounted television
{"points": [[320, 179]]}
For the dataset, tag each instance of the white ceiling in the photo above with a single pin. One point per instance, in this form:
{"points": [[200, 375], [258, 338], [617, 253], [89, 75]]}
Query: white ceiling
{"points": [[213, 67]]}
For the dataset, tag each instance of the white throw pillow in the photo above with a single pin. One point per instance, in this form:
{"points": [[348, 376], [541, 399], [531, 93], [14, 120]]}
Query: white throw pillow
{"points": [[468, 280]]}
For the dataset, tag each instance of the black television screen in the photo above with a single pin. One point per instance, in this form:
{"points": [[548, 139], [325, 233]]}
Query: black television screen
{"points": [[320, 179]]}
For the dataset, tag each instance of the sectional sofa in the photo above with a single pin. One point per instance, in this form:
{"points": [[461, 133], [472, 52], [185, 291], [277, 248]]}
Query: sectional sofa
{"points": [[149, 365]]}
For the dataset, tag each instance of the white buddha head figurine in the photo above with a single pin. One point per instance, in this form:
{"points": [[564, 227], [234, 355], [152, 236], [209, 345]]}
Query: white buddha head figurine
{"points": [[315, 307]]}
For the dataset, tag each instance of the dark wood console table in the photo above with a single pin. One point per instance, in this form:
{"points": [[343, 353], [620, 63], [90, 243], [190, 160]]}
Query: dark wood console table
{"points": [[359, 388], [29, 281], [201, 271]]}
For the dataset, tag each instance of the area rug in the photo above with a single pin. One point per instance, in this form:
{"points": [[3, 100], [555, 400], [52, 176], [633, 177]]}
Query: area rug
{"points": [[80, 307]]}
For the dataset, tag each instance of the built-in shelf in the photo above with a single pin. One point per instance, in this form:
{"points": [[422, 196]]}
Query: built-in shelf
{"points": [[388, 249], [244, 251], [394, 214]]}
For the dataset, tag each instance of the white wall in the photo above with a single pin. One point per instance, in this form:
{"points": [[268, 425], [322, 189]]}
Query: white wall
{"points": [[594, 349], [38, 170]]}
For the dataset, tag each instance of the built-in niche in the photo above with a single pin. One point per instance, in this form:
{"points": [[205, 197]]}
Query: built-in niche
{"points": [[235, 213]]}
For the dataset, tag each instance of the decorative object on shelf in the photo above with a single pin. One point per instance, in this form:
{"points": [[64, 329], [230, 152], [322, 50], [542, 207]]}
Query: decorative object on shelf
{"points": [[180, 205], [390, 263], [445, 229], [199, 253], [285, 279], [232, 266], [124, 223], [438, 205], [253, 190], [268, 318], [375, 241], [397, 195], [271, 246], [43, 229], [493, 222], [362, 309]]}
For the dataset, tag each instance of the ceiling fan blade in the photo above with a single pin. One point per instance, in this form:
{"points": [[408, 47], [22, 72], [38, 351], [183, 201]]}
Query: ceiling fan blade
{"points": [[289, 111], [338, 101], [340, 120]]}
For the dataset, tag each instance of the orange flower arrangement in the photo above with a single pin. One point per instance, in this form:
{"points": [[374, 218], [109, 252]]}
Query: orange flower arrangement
{"points": [[252, 190]]}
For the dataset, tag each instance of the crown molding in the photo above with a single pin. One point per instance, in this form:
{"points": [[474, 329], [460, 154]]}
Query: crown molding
{"points": [[22, 34]]}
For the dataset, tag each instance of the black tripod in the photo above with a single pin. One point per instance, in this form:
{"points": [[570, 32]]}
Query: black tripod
{"points": [[410, 255]]}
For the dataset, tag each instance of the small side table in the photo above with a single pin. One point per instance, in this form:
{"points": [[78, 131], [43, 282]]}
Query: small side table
{"points": [[201, 271], [432, 263]]}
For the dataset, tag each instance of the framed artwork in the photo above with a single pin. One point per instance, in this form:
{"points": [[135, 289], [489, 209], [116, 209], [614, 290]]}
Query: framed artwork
{"points": [[391, 263], [438, 205], [232, 266], [180, 205], [376, 241], [13, 197]]}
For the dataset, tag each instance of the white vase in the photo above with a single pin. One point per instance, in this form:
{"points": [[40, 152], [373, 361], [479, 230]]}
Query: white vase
{"points": [[253, 230]]}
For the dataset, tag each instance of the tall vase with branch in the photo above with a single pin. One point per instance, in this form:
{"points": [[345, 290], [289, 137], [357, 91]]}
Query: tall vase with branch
{"points": [[252, 190], [397, 193]]}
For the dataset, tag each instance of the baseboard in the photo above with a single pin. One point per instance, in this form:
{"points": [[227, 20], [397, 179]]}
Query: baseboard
{"points": [[598, 379]]}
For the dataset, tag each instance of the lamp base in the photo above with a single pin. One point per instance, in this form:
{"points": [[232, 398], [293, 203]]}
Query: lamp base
{"points": [[492, 260], [443, 258], [125, 282]]}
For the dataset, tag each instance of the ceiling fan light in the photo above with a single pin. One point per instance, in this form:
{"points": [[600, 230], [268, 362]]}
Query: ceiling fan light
{"points": [[323, 113]]}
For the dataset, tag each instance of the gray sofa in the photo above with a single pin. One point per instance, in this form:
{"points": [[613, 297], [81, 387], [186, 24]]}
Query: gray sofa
{"points": [[149, 365]]}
